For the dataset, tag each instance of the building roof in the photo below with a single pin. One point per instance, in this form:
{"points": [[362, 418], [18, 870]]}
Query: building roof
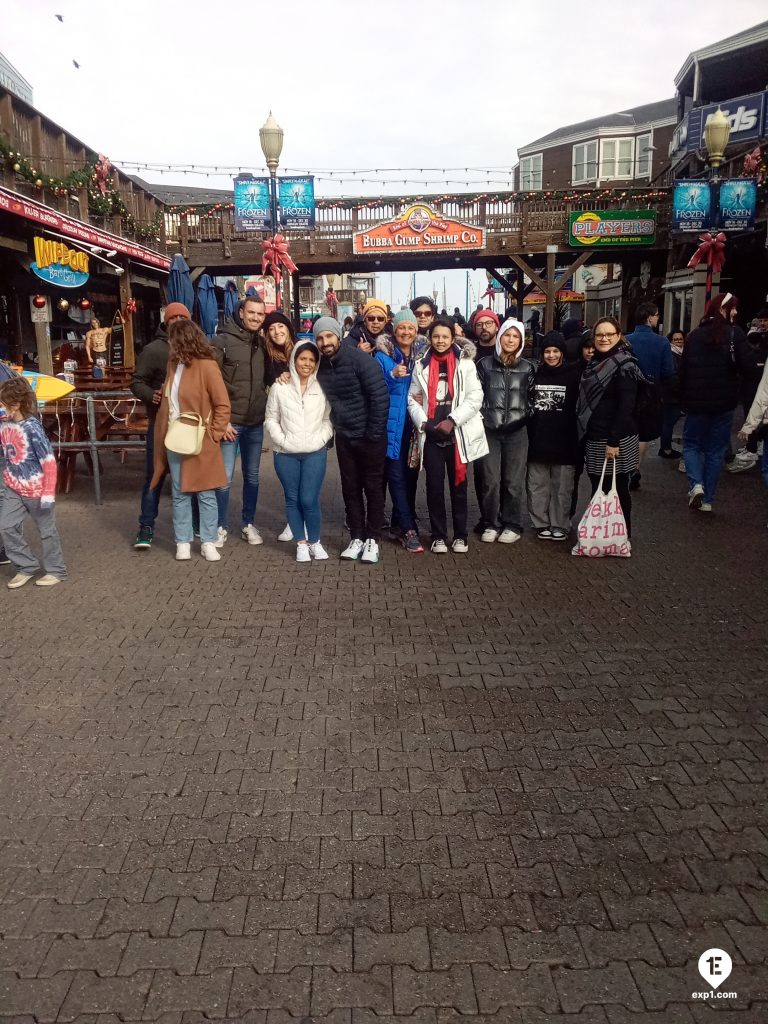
{"points": [[184, 195], [661, 110], [13, 80], [749, 37]]}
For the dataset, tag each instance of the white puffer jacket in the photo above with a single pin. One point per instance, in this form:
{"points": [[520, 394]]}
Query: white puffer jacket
{"points": [[298, 423]]}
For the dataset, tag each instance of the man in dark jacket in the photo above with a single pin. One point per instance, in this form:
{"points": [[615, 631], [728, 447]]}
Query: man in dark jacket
{"points": [[239, 349], [355, 387], [147, 383], [654, 354]]}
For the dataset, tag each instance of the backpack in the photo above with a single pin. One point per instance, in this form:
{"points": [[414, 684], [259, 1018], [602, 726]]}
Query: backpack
{"points": [[649, 409]]}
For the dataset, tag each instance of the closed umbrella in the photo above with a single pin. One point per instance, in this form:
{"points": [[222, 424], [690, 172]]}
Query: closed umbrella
{"points": [[207, 306], [179, 288], [231, 299]]}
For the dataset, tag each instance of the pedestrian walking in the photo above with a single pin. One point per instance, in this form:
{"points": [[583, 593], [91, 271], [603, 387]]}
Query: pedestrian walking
{"points": [[654, 357], [605, 411], [755, 354], [552, 441], [194, 390], [670, 392], [298, 421], [444, 404], [757, 421], [27, 488], [147, 383], [507, 380]]}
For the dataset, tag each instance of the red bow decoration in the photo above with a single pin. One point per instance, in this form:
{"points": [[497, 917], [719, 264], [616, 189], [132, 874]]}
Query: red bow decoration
{"points": [[130, 307], [103, 169], [752, 161], [489, 291], [712, 249], [276, 257]]}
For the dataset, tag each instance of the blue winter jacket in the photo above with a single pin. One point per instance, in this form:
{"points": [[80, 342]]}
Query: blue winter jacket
{"points": [[388, 356], [653, 352]]}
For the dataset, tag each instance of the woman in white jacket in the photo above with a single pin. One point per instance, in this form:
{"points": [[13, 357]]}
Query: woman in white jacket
{"points": [[444, 403], [757, 418], [298, 419]]}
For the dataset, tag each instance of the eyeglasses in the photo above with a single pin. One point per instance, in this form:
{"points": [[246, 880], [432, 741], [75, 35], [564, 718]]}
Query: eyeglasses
{"points": [[424, 313], [485, 323], [605, 337], [376, 319]]}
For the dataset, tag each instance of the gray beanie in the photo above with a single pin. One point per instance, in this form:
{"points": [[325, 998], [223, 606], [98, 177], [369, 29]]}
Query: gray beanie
{"points": [[327, 323]]}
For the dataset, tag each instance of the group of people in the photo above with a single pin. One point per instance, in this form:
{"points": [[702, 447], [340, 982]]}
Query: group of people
{"points": [[397, 394]]}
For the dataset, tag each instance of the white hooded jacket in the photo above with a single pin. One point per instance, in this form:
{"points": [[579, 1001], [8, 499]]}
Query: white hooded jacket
{"points": [[298, 423]]}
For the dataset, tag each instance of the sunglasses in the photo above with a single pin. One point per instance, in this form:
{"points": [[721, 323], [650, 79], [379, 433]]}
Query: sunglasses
{"points": [[376, 319], [424, 312]]}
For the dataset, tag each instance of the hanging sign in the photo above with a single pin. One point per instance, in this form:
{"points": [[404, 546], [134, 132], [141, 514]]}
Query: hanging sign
{"points": [[738, 203], [418, 229], [57, 264], [692, 206], [117, 342], [297, 202], [612, 227], [253, 211]]}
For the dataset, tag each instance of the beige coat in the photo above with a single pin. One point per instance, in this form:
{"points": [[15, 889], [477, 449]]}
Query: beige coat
{"points": [[202, 391]]}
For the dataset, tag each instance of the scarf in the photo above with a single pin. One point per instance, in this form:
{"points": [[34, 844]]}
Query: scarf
{"points": [[596, 378], [435, 360]]}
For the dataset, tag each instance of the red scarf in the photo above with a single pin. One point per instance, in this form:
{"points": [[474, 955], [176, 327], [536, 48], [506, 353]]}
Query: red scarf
{"points": [[449, 357]]}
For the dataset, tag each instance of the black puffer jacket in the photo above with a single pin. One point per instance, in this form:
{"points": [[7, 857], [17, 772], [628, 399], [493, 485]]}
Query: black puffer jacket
{"points": [[240, 355], [709, 366], [614, 415], [151, 367], [507, 393], [354, 384], [552, 430]]}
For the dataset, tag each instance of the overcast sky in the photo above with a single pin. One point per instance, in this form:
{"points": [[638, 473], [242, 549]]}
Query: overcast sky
{"points": [[395, 84]]}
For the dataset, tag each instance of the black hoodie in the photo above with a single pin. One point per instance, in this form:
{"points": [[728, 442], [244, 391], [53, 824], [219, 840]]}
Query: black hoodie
{"points": [[552, 431]]}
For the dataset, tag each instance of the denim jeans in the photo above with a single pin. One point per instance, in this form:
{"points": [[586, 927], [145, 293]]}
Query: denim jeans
{"points": [[705, 442], [183, 527], [14, 509], [302, 475], [403, 482], [250, 441], [672, 414], [150, 497], [502, 480]]}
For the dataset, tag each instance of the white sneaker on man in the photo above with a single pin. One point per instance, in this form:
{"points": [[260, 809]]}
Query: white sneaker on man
{"points": [[696, 496], [250, 534], [489, 536], [370, 552], [221, 538], [318, 551], [438, 547], [286, 535], [210, 552], [302, 553], [705, 506], [459, 546], [183, 552], [508, 536], [353, 550]]}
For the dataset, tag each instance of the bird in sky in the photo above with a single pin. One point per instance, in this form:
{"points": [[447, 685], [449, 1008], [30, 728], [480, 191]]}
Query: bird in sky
{"points": [[76, 64], [60, 17]]}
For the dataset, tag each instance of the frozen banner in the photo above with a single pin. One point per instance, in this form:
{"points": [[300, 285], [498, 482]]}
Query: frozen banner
{"points": [[297, 202], [738, 201], [692, 206], [252, 206]]}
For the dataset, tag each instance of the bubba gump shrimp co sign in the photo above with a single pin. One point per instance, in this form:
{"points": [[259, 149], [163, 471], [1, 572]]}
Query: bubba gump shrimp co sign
{"points": [[418, 229]]}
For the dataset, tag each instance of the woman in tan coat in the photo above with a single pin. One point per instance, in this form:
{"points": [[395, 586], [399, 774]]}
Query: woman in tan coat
{"points": [[193, 384]]}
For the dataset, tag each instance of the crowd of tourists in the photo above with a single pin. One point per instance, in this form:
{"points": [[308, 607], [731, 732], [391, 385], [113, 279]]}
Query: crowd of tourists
{"points": [[395, 394]]}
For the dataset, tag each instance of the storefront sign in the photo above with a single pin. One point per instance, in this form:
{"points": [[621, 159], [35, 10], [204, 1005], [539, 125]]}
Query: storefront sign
{"points": [[253, 211], [612, 227], [297, 202], [418, 229], [13, 202], [738, 203], [692, 206], [748, 117], [117, 343], [57, 264]]}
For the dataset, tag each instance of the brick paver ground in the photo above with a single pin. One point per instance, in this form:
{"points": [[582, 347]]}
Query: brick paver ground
{"points": [[512, 786]]}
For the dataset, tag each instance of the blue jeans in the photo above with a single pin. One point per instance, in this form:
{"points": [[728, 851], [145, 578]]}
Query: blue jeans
{"points": [[249, 441], [672, 414], [705, 442], [402, 487], [150, 497], [302, 475], [183, 528]]}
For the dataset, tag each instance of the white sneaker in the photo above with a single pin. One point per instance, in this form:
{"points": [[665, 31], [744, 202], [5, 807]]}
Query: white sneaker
{"points": [[508, 537], [489, 536], [705, 507], [18, 580], [370, 552], [696, 496], [438, 547], [742, 461], [221, 540], [47, 581], [353, 550], [459, 546], [183, 552], [302, 553], [286, 535], [250, 534], [318, 551], [210, 552]]}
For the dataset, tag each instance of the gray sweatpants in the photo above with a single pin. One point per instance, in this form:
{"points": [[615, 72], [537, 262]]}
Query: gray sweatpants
{"points": [[14, 509], [549, 495]]}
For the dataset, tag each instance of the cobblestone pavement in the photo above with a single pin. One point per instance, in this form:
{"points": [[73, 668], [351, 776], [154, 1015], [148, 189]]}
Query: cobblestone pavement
{"points": [[512, 786]]}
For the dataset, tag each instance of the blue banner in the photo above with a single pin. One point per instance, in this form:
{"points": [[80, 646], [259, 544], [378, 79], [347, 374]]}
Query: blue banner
{"points": [[748, 117], [297, 202], [252, 205], [738, 202], [58, 274], [692, 205]]}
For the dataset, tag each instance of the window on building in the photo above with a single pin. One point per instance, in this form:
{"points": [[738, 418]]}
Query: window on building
{"points": [[616, 157], [584, 162], [531, 173], [643, 156]]}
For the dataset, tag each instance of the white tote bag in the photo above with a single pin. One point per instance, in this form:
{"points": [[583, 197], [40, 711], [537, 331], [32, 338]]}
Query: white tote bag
{"points": [[603, 529]]}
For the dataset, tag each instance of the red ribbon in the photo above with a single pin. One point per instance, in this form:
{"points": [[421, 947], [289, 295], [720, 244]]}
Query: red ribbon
{"points": [[712, 249], [276, 257]]}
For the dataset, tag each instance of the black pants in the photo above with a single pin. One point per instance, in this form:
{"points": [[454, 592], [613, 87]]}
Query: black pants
{"points": [[439, 460], [625, 498], [361, 465]]}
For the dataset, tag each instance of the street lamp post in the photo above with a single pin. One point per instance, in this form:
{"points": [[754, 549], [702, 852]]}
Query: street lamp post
{"points": [[271, 138], [717, 131]]}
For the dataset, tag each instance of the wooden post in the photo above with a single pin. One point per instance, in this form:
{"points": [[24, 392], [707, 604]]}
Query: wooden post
{"points": [[44, 354], [124, 282], [184, 235], [520, 293], [551, 292], [296, 299]]}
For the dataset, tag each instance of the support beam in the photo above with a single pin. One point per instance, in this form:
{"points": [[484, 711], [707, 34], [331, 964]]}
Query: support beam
{"points": [[44, 353], [196, 273], [296, 299], [124, 284], [551, 292]]}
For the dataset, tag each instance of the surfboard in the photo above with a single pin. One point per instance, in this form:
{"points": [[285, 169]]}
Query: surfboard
{"points": [[47, 389]]}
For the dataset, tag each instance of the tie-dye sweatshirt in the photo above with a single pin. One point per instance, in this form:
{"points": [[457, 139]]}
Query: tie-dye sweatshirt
{"points": [[30, 466]]}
